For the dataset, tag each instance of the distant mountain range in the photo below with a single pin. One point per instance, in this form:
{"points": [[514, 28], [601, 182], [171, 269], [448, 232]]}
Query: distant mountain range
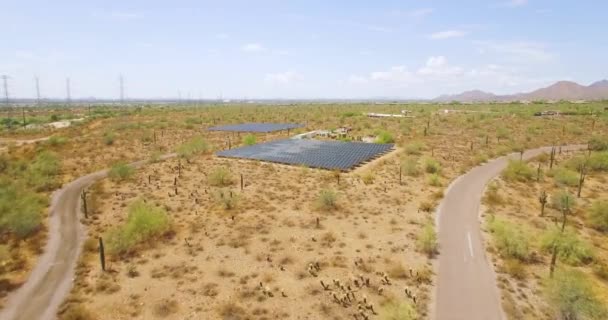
{"points": [[562, 90]]}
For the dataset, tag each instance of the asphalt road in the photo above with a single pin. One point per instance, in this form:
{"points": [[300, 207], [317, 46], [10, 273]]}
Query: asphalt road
{"points": [[52, 278], [466, 284]]}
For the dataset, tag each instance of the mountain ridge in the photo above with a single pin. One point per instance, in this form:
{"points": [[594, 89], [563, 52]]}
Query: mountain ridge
{"points": [[561, 90]]}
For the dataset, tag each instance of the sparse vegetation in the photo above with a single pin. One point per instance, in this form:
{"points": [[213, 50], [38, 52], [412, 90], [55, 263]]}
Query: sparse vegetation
{"points": [[195, 146], [328, 199], [220, 177], [427, 240], [598, 215], [249, 140], [509, 239], [121, 171], [571, 295], [518, 171]]}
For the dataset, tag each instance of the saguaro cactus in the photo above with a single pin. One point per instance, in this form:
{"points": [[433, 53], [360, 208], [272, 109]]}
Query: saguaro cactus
{"points": [[102, 254]]}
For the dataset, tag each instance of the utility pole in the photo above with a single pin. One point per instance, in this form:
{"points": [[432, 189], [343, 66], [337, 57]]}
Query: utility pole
{"points": [[122, 89], [68, 96], [37, 91], [6, 100]]}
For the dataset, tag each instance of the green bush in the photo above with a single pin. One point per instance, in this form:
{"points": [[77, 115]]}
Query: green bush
{"points": [[121, 171], [410, 167], [518, 171], [599, 161], [432, 166], [226, 198], [571, 295], [414, 148], [41, 173], [20, 210], [598, 215], [563, 201], [220, 177], [328, 199], [249, 140], [427, 240], [570, 248], [144, 222], [565, 177], [193, 147], [394, 310], [510, 240], [57, 141], [108, 138], [434, 180], [384, 137], [598, 143]]}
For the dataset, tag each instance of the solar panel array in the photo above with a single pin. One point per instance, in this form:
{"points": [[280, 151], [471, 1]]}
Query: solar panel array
{"points": [[312, 153], [256, 127]]}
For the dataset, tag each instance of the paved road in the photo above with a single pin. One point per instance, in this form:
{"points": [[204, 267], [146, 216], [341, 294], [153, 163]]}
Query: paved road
{"points": [[466, 285], [51, 279]]}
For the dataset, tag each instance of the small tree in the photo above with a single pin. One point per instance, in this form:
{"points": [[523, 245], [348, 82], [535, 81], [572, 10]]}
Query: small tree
{"points": [[121, 171], [598, 215], [571, 295], [220, 177]]}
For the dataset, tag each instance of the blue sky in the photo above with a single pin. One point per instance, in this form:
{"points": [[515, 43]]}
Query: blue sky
{"points": [[299, 49]]}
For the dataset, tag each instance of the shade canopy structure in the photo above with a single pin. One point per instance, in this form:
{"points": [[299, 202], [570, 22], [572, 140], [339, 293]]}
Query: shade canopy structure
{"points": [[256, 127], [331, 155]]}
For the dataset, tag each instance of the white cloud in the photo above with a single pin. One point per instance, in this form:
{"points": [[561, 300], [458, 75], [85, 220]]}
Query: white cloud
{"points": [[416, 13], [253, 47], [520, 50], [438, 66], [396, 74], [282, 78], [222, 36], [447, 34], [357, 79], [516, 3]]}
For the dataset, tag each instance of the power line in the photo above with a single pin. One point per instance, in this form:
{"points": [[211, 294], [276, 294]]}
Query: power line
{"points": [[68, 93], [37, 91], [122, 89]]}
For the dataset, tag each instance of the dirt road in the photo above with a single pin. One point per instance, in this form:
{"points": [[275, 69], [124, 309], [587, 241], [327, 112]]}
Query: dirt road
{"points": [[4, 142], [466, 284], [51, 279]]}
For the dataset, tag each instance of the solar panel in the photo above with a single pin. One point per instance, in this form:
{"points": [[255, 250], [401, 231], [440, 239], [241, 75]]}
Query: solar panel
{"points": [[312, 153], [256, 127]]}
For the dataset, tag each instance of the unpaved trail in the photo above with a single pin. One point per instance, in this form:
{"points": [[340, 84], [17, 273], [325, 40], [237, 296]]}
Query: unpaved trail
{"points": [[4, 142], [466, 283], [52, 278]]}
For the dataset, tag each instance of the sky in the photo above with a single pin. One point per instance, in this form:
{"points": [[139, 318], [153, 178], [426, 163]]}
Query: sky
{"points": [[299, 49]]}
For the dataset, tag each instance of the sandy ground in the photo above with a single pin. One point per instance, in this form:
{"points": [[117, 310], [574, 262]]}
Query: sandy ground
{"points": [[214, 263]]}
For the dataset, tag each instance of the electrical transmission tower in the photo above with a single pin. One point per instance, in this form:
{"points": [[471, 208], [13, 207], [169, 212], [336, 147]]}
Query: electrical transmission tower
{"points": [[37, 91], [122, 89], [68, 98]]}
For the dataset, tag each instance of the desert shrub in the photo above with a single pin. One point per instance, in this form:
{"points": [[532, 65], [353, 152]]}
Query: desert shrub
{"points": [[226, 198], [511, 241], [144, 222], [599, 161], [563, 201], [492, 197], [518, 171], [598, 143], [42, 171], [570, 248], [432, 166], [108, 138], [565, 177], [165, 308], [426, 206], [249, 140], [394, 310], [434, 180], [427, 240], [571, 296], [328, 199], [598, 215], [384, 137], [600, 269], [502, 133], [121, 171], [414, 148], [76, 312], [20, 210], [57, 141], [515, 268], [220, 177], [410, 167], [368, 177], [196, 145]]}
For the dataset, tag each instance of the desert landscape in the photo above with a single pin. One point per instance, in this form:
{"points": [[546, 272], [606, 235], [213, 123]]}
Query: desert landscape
{"points": [[200, 236]]}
